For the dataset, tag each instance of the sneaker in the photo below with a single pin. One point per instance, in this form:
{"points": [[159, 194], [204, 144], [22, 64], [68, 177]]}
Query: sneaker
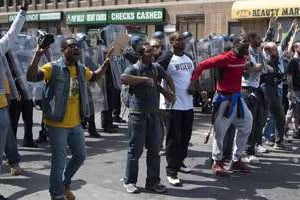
{"points": [[110, 130], [261, 149], [15, 169], [118, 119], [158, 188], [31, 144], [69, 193], [296, 135], [240, 166], [250, 159], [131, 188], [185, 169], [269, 143], [281, 147], [94, 134], [61, 198], [175, 181], [3, 198], [218, 169], [162, 152]]}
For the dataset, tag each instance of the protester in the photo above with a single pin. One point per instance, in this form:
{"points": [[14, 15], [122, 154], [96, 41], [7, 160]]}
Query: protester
{"points": [[66, 87], [5, 43], [293, 80], [179, 114], [231, 108], [144, 125]]}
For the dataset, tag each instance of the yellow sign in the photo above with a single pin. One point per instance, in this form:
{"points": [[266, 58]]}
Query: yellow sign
{"points": [[281, 12], [265, 8]]}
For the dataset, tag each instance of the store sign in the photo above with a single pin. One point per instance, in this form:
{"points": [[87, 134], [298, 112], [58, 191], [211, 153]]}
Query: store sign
{"points": [[116, 16], [135, 16], [266, 12], [35, 17], [87, 18]]}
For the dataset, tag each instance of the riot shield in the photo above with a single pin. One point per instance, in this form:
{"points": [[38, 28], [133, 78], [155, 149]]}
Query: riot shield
{"points": [[208, 48], [216, 45], [191, 49], [12, 86], [116, 35], [19, 58]]}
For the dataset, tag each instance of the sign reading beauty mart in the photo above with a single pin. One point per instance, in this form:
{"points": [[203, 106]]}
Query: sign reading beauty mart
{"points": [[267, 12], [125, 16]]}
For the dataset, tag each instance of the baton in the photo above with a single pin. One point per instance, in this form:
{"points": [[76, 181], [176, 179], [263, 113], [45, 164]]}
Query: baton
{"points": [[206, 139]]}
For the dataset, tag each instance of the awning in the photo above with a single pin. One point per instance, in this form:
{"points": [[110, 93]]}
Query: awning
{"points": [[265, 8]]}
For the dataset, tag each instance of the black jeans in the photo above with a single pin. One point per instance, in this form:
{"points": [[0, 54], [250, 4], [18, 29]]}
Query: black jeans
{"points": [[179, 130], [256, 106], [25, 107], [113, 101]]}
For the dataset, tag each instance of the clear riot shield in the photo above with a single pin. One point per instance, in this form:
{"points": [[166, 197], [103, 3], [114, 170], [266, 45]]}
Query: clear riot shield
{"points": [[12, 86], [98, 89], [203, 46], [55, 50], [116, 35], [191, 49], [19, 58], [216, 45], [206, 49], [92, 57]]}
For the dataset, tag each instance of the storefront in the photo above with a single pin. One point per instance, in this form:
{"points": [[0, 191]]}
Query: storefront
{"points": [[254, 15], [142, 20], [48, 21]]}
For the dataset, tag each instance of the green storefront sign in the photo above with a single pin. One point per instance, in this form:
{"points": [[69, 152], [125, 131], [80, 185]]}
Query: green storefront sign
{"points": [[35, 17], [87, 18], [135, 16], [126, 16]]}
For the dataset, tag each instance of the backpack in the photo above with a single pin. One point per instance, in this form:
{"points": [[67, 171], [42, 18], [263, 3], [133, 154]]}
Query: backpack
{"points": [[126, 90]]}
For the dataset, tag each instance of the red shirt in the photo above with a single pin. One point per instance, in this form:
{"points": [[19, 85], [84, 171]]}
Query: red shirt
{"points": [[232, 68]]}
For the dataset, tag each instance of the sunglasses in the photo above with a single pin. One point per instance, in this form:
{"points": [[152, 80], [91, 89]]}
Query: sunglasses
{"points": [[156, 46], [73, 46]]}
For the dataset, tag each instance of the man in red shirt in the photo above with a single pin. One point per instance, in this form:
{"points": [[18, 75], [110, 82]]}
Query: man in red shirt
{"points": [[229, 106]]}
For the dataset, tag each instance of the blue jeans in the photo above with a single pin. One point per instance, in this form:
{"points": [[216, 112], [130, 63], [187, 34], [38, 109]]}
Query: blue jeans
{"points": [[4, 121], [61, 174], [11, 148], [270, 128], [144, 130]]}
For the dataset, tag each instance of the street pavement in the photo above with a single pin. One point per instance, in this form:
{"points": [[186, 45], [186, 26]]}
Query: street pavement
{"points": [[276, 177]]}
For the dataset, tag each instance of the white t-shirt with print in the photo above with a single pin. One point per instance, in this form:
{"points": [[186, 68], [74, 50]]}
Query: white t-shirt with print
{"points": [[180, 69]]}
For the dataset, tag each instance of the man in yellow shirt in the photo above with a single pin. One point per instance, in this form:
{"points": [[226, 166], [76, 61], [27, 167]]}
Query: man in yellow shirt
{"points": [[5, 43], [65, 103]]}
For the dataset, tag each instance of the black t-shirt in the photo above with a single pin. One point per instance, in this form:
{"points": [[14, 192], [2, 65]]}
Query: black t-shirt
{"points": [[294, 70]]}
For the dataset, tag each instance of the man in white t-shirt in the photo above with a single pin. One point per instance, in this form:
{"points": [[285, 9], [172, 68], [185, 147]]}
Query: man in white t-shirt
{"points": [[179, 114]]}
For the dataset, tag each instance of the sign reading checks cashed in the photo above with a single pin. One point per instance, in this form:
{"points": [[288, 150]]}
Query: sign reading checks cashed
{"points": [[266, 12], [124, 16]]}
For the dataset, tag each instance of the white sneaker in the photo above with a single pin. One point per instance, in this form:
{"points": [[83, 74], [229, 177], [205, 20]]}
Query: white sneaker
{"points": [[261, 149], [131, 188], [185, 169], [15, 169], [250, 159], [175, 181]]}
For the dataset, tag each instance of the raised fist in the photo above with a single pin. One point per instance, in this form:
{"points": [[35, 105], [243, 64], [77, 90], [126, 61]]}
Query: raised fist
{"points": [[24, 5]]}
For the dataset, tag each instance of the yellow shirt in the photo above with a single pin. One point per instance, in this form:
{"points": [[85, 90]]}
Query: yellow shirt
{"points": [[3, 99], [72, 115]]}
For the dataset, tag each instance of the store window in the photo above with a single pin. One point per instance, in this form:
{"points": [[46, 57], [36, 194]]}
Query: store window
{"points": [[234, 28], [10, 3], [191, 23]]}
